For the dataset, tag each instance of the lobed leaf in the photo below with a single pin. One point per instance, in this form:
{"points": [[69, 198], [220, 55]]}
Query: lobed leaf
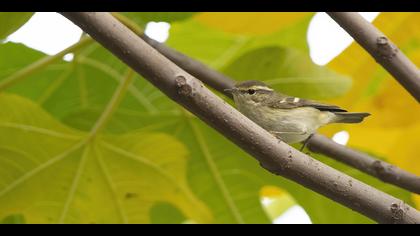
{"points": [[51, 173]]}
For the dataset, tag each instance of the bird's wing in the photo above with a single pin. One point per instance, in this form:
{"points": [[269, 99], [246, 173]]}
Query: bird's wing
{"points": [[287, 102]]}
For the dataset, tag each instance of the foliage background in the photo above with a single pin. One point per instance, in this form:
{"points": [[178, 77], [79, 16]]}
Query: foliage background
{"points": [[88, 141]]}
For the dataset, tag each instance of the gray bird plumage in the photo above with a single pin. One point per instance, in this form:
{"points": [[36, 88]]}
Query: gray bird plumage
{"points": [[289, 118]]}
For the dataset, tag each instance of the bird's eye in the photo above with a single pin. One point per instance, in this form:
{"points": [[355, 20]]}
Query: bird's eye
{"points": [[251, 91]]}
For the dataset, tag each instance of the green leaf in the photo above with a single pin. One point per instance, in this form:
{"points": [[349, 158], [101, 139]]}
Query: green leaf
{"points": [[289, 71], [229, 190], [55, 174], [12, 21], [13, 219], [165, 213], [75, 84], [218, 49]]}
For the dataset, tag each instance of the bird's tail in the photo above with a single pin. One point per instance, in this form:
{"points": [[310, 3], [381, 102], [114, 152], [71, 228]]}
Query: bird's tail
{"points": [[350, 117]]}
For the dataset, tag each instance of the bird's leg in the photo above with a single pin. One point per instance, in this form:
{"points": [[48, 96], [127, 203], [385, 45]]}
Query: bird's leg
{"points": [[306, 142]]}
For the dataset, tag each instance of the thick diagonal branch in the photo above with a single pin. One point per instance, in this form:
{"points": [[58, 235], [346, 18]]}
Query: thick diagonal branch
{"points": [[274, 155], [381, 49]]}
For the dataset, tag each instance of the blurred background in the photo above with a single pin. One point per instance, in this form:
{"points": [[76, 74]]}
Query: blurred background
{"points": [[301, 54]]}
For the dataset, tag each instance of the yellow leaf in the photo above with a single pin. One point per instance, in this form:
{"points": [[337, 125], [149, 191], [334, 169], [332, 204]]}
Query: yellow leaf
{"points": [[400, 146], [253, 23], [401, 28], [416, 199], [392, 132]]}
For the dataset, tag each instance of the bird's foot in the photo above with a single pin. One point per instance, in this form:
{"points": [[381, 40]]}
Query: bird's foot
{"points": [[305, 143]]}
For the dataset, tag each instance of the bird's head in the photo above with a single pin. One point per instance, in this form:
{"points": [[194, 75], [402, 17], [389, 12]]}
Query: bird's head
{"points": [[251, 90]]}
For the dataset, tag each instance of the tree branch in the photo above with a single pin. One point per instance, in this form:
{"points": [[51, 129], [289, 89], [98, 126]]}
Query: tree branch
{"points": [[274, 155], [377, 168], [382, 49]]}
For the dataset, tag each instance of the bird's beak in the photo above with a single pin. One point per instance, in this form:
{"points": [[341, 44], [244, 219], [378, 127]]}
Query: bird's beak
{"points": [[230, 90]]}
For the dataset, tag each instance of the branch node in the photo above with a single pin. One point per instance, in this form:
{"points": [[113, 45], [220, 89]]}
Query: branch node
{"points": [[382, 170], [397, 211], [377, 166], [183, 87], [288, 161], [385, 49], [335, 184]]}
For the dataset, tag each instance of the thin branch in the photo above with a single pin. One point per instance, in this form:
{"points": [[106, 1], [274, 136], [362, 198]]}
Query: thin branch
{"points": [[197, 69], [372, 166], [381, 49], [42, 63], [274, 155], [377, 168]]}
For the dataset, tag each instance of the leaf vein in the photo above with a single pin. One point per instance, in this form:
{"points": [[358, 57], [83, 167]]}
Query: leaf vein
{"points": [[74, 186], [111, 185], [215, 173], [40, 168]]}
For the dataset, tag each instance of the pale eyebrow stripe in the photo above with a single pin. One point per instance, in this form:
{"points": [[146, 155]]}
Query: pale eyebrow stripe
{"points": [[256, 88], [261, 88]]}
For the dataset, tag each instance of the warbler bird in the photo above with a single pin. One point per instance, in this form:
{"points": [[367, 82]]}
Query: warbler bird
{"points": [[288, 118]]}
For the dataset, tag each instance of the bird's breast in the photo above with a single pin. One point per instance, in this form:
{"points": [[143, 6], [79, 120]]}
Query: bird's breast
{"points": [[293, 125]]}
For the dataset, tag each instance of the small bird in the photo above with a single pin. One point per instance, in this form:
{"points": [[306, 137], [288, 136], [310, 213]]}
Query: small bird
{"points": [[290, 119]]}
